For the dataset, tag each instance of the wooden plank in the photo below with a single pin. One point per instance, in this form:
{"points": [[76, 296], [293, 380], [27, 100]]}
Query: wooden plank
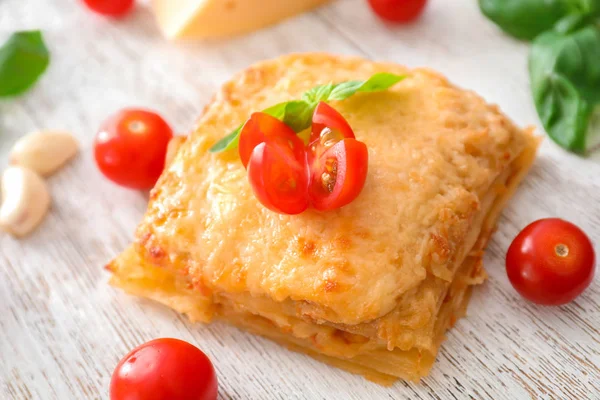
{"points": [[64, 329]]}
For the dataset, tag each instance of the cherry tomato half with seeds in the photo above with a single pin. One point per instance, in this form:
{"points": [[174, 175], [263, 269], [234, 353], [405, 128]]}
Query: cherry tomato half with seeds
{"points": [[111, 8], [278, 179], [262, 127], [337, 162], [550, 262], [164, 369], [328, 128], [398, 10], [131, 146], [338, 176]]}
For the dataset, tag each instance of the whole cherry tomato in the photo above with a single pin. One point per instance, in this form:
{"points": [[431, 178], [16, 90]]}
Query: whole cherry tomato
{"points": [[398, 10], [111, 8], [164, 369], [131, 146], [550, 262]]}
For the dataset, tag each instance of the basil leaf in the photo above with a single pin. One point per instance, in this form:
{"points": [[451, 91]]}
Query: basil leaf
{"points": [[318, 93], [231, 141], [593, 132], [297, 114], [526, 19], [378, 82], [278, 110], [23, 59], [344, 90], [564, 70]]}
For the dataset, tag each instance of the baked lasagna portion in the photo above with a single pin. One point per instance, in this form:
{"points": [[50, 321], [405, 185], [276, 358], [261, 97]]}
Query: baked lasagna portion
{"points": [[371, 287]]}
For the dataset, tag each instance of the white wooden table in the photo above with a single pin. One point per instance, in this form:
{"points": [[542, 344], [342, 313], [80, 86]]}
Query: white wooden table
{"points": [[63, 329]]}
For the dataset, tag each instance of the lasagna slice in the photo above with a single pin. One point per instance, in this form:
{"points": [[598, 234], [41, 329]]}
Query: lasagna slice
{"points": [[371, 287]]}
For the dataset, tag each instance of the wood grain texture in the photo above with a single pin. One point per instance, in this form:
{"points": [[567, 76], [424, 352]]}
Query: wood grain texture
{"points": [[63, 329]]}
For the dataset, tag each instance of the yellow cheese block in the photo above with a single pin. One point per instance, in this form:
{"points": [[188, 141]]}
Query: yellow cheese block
{"points": [[196, 19]]}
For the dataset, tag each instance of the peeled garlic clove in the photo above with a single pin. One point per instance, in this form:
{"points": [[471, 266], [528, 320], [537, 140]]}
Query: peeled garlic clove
{"points": [[25, 200], [44, 152], [173, 147]]}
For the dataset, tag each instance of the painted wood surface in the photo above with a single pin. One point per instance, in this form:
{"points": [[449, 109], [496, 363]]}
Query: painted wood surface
{"points": [[63, 329]]}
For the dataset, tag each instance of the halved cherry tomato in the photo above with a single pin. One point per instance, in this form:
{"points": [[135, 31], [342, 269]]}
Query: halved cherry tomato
{"points": [[337, 162], [338, 175], [328, 128], [131, 146], [111, 8], [550, 262], [398, 10], [278, 178], [164, 369], [262, 127], [286, 177]]}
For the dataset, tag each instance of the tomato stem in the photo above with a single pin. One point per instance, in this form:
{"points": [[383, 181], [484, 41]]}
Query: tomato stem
{"points": [[136, 126], [561, 250]]}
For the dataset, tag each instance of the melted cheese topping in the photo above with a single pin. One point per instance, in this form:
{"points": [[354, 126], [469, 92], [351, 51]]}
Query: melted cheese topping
{"points": [[434, 152]]}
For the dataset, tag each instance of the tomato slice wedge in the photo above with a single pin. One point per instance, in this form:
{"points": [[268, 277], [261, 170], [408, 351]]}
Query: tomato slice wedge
{"points": [[262, 127], [328, 128], [278, 178], [338, 175]]}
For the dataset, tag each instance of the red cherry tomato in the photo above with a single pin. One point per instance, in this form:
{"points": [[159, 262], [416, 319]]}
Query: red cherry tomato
{"points": [[164, 369], [286, 179], [338, 176], [262, 127], [550, 262], [328, 128], [131, 146], [398, 10], [279, 179], [111, 8], [337, 162]]}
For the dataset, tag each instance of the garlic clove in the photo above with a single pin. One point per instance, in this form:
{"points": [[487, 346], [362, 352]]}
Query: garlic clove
{"points": [[44, 152], [25, 200]]}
